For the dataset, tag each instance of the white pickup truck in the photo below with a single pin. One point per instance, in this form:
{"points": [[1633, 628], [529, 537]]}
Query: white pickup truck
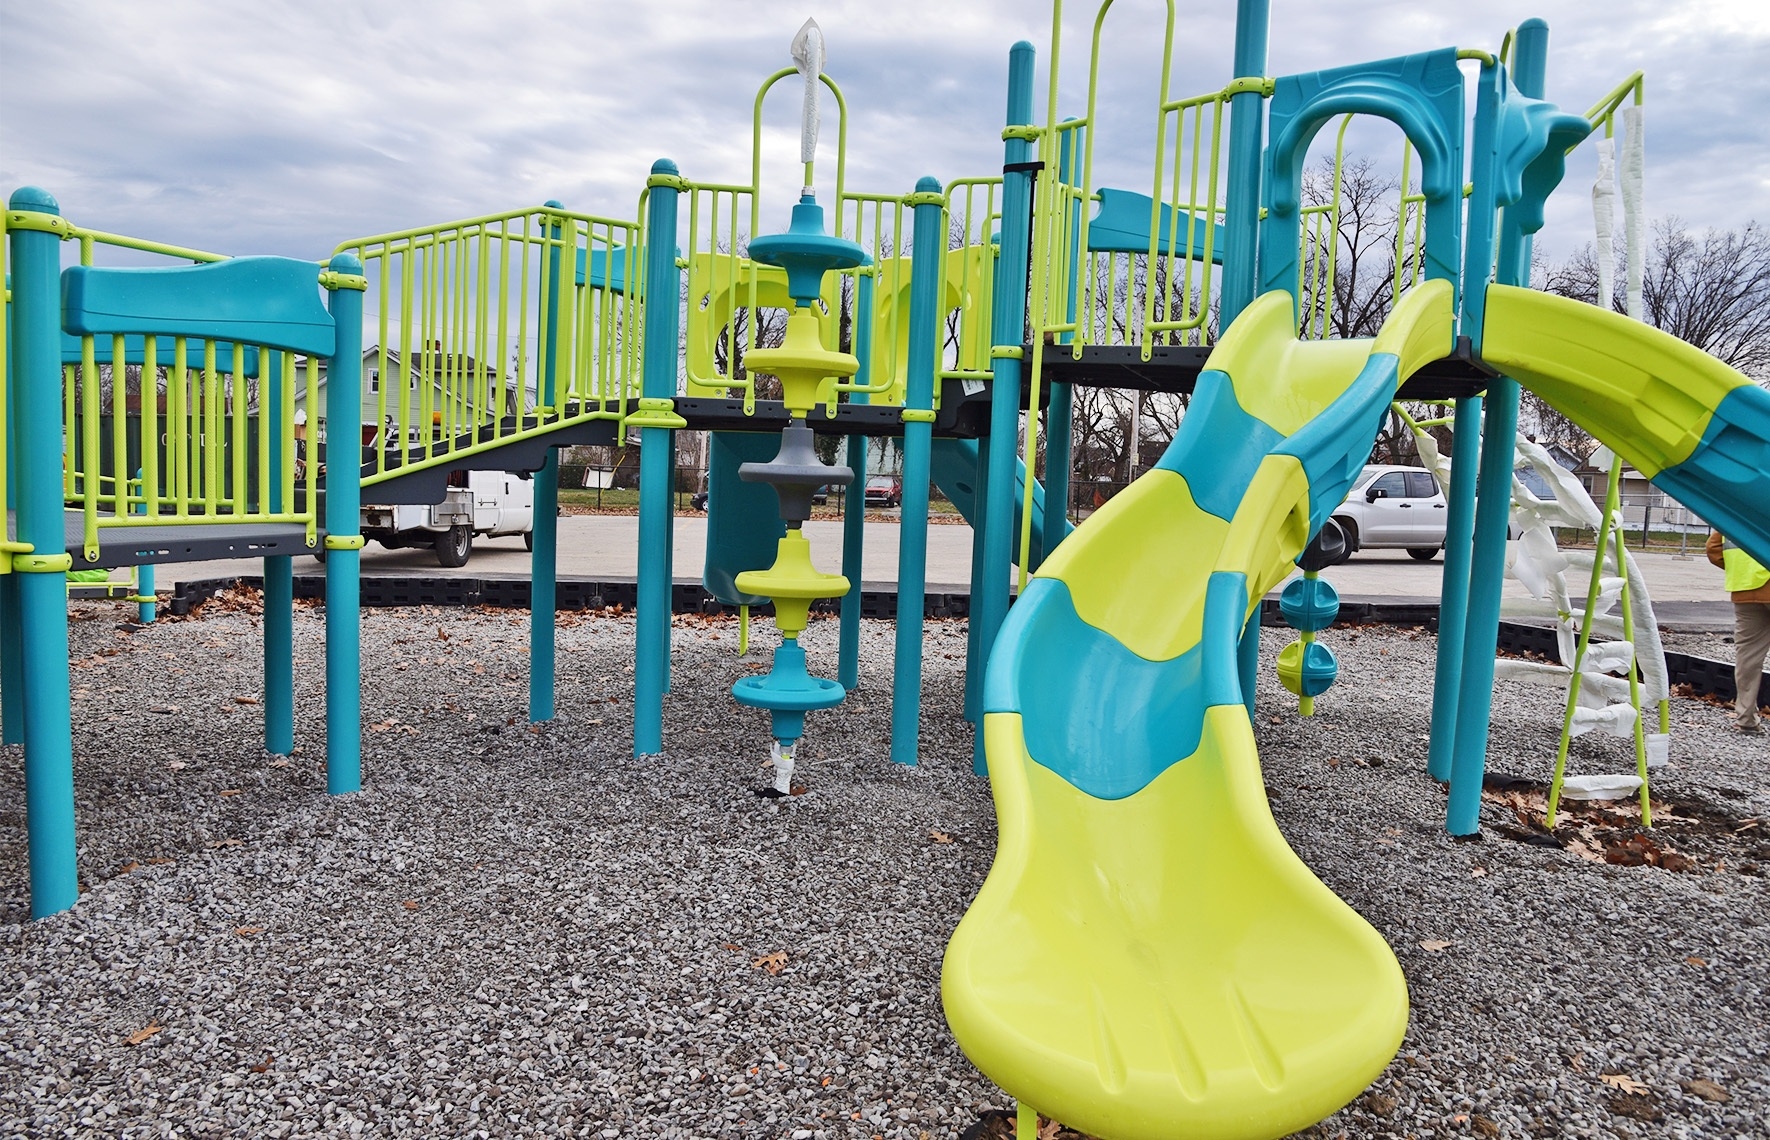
{"points": [[486, 503]]}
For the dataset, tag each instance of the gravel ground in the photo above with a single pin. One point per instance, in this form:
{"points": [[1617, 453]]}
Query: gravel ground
{"points": [[527, 932]]}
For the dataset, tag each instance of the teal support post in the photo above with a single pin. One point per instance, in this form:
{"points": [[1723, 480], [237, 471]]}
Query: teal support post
{"points": [[279, 583], [544, 557], [662, 321], [1241, 229], [42, 585], [669, 564], [1241, 225], [974, 661], [1493, 502], [918, 439], [12, 680], [344, 494], [1453, 606], [1459, 524], [989, 605], [854, 527], [145, 611]]}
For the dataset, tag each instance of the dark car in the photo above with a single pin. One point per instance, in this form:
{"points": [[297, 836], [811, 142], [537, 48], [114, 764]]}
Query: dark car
{"points": [[883, 491]]}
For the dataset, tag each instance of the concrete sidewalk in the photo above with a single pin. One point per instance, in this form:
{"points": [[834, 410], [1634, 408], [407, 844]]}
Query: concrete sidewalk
{"points": [[1684, 590]]}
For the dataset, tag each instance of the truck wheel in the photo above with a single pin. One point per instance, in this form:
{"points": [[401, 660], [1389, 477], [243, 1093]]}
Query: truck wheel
{"points": [[454, 545], [1422, 553]]}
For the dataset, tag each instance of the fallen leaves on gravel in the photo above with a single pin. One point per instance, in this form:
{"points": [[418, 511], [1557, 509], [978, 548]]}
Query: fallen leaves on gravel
{"points": [[141, 1035], [410, 904], [226, 792], [245, 700], [1435, 946], [214, 843], [940, 837], [1706, 1089], [264, 1065], [1621, 1082], [1697, 962], [128, 867], [248, 931], [771, 964]]}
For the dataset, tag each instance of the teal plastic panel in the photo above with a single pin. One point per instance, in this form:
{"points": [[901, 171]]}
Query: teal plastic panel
{"points": [[743, 519], [269, 301], [1122, 226]]}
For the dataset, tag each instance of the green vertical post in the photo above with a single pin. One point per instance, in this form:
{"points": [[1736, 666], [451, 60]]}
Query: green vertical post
{"points": [[279, 578], [929, 246], [544, 557], [344, 540], [989, 605], [42, 580], [1241, 225], [1060, 398], [662, 320], [1493, 502]]}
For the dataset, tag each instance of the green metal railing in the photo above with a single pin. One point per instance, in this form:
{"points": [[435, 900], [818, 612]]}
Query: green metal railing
{"points": [[496, 328], [212, 455]]}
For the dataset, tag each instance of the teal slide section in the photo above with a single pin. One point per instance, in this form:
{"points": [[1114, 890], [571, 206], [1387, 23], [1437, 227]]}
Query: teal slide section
{"points": [[955, 473]]}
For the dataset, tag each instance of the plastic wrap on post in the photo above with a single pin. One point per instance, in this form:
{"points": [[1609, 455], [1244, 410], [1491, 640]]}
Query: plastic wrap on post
{"points": [[1634, 211], [1604, 220]]}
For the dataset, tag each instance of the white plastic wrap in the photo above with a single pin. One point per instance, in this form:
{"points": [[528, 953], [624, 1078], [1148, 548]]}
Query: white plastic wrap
{"points": [[1604, 216], [1531, 672], [1599, 787], [1634, 162], [808, 57], [1659, 749], [1617, 720], [783, 769]]}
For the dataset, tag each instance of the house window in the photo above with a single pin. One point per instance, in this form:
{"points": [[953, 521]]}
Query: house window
{"points": [[374, 380]]}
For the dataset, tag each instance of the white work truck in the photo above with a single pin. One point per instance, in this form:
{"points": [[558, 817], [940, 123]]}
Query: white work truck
{"points": [[486, 503]]}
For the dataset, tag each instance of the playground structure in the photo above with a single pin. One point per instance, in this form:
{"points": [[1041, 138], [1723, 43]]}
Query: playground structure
{"points": [[1147, 954]]}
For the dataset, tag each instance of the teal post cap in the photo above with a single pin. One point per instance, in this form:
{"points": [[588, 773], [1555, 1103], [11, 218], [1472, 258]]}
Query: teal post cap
{"points": [[345, 263], [806, 252], [34, 199], [663, 166], [928, 184], [787, 687]]}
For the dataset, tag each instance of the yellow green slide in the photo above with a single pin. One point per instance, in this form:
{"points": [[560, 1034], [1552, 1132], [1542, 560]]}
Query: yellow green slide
{"points": [[1147, 957]]}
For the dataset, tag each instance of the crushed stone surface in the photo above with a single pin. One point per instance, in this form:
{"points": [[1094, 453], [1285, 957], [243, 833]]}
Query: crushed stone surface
{"points": [[524, 931]]}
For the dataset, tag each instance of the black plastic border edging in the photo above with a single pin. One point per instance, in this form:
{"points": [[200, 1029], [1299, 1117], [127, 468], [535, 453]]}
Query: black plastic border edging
{"points": [[1705, 677]]}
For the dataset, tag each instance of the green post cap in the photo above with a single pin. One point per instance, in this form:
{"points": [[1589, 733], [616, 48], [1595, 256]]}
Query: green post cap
{"points": [[806, 252]]}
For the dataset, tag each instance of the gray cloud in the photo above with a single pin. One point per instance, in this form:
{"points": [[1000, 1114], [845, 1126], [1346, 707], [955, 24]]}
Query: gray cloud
{"points": [[286, 127]]}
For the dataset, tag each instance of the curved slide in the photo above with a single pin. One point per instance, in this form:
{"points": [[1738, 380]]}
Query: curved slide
{"points": [[1147, 957]]}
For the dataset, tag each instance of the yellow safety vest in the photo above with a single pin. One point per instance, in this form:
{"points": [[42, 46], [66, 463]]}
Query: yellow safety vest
{"points": [[1743, 571]]}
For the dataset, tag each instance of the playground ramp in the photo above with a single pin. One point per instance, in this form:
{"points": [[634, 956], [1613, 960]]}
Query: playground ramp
{"points": [[1148, 958]]}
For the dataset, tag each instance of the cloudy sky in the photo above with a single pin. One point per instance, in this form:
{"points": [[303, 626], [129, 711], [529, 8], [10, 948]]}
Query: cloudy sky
{"points": [[286, 126]]}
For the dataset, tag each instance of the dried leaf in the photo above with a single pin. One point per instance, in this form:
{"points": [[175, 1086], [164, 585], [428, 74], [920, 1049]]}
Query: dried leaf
{"points": [[1477, 872], [141, 1035], [227, 843], [1697, 962], [410, 904], [1434, 946], [128, 867], [1623, 1083], [940, 837], [177, 765], [264, 1065], [1706, 1089], [245, 700], [1484, 1126], [248, 931], [772, 964], [158, 860], [1585, 851], [226, 792], [729, 946], [279, 762]]}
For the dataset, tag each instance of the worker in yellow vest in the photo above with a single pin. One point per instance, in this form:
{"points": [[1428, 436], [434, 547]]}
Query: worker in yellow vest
{"points": [[1749, 583]]}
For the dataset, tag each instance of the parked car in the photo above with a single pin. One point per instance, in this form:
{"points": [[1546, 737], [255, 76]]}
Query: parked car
{"points": [[883, 491], [1394, 508]]}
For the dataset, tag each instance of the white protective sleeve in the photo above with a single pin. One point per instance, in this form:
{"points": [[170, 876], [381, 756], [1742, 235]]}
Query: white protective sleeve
{"points": [[1634, 162], [1604, 215], [1617, 720], [808, 57], [1599, 787]]}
